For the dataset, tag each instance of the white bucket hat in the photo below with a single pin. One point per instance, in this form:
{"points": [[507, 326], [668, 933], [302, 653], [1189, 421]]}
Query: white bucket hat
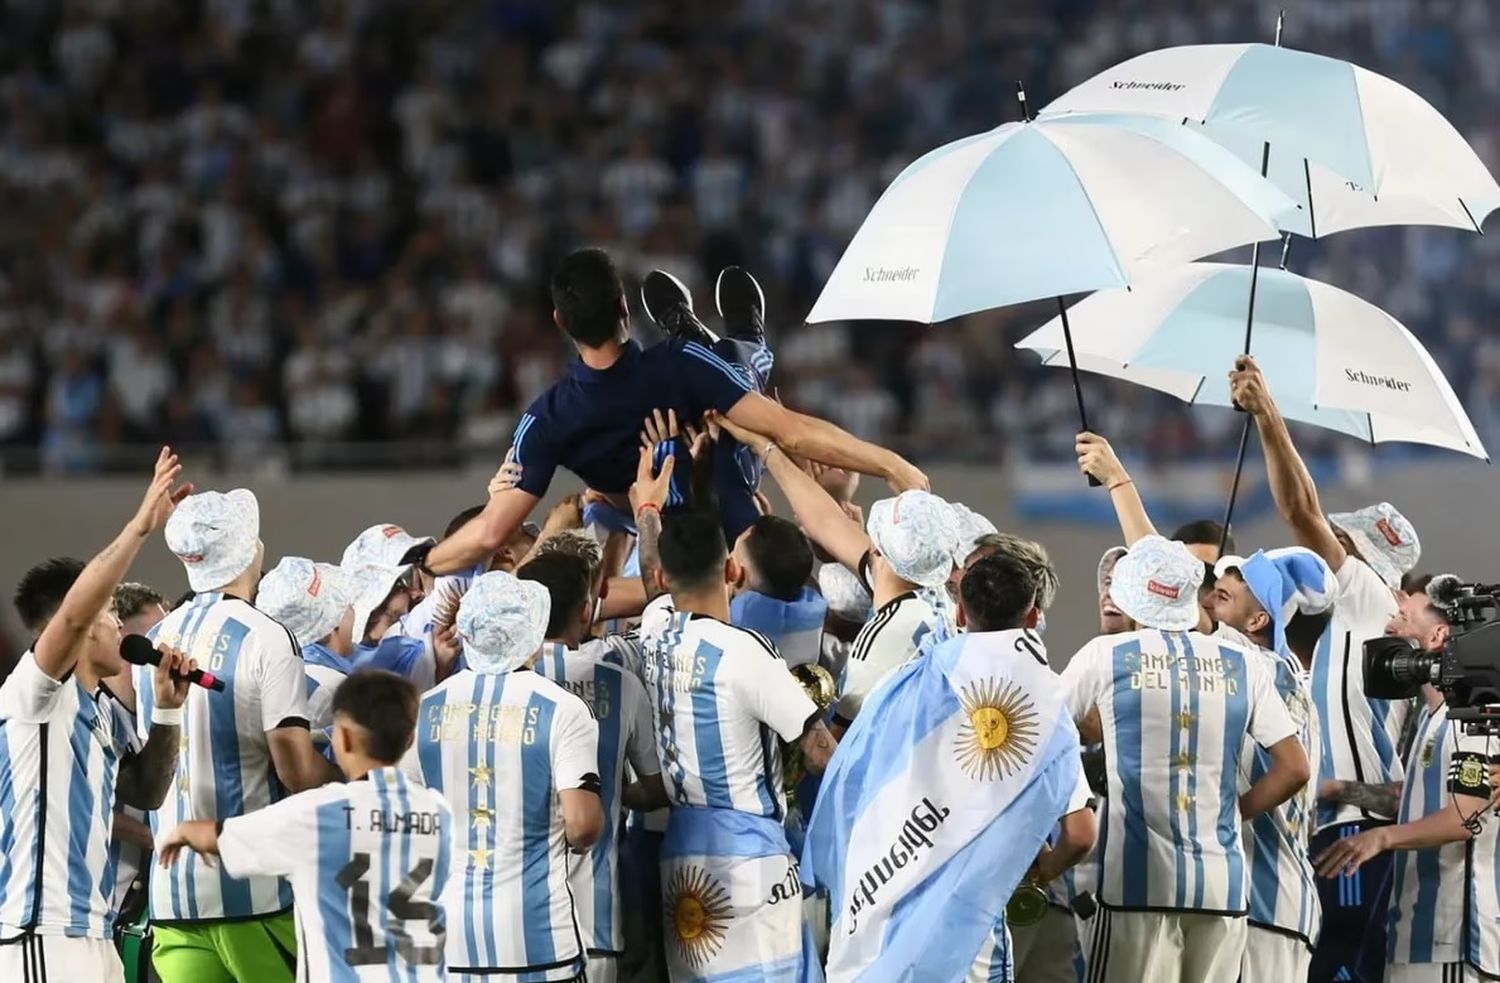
{"points": [[502, 621], [215, 535], [385, 544], [972, 527], [308, 598], [1156, 584], [369, 587], [1384, 537], [917, 533], [1107, 564]]}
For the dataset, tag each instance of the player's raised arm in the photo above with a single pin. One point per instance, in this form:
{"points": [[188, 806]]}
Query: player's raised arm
{"points": [[825, 521], [1097, 458], [56, 649], [818, 440], [1291, 483]]}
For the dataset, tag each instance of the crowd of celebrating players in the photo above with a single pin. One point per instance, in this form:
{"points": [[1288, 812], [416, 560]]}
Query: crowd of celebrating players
{"points": [[590, 748]]}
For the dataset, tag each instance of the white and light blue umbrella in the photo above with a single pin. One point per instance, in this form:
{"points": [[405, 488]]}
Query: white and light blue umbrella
{"points": [[1031, 211], [1330, 358], [1352, 147]]}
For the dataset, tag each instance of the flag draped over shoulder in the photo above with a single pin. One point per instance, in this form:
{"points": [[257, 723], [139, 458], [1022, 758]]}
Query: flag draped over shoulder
{"points": [[936, 804]]}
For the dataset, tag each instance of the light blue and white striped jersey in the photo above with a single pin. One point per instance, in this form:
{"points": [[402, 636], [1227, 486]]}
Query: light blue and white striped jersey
{"points": [[368, 861], [721, 697], [60, 752], [1177, 709], [326, 669], [1481, 944], [499, 747], [1283, 888], [225, 768], [1360, 735], [1429, 887], [623, 712]]}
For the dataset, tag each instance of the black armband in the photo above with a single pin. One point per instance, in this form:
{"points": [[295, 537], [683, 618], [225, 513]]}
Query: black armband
{"points": [[590, 783], [1467, 775]]}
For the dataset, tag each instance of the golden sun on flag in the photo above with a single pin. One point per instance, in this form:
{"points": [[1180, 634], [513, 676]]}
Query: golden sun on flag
{"points": [[697, 914], [999, 731]]}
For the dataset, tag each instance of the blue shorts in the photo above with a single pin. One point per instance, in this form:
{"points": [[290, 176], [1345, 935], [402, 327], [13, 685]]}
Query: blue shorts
{"points": [[1352, 946]]}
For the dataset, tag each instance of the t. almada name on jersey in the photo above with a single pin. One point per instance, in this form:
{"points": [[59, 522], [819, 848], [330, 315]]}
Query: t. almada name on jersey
{"points": [[915, 837], [382, 821]]}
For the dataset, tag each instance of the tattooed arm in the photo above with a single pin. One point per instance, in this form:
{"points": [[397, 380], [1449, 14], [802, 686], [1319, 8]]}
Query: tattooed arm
{"points": [[1382, 800], [144, 778], [647, 497]]}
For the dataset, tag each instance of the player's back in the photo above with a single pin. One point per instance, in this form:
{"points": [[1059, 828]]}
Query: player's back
{"points": [[1176, 711], [490, 743], [589, 421], [619, 704], [225, 767], [711, 689], [368, 861]]}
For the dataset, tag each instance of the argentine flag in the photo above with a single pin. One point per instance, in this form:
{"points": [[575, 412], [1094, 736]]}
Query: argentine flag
{"points": [[935, 805]]}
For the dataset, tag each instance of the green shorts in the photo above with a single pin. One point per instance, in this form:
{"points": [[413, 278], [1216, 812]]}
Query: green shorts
{"points": [[260, 951]]}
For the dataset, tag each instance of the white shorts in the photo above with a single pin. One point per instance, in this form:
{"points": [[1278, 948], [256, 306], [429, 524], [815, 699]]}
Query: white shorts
{"points": [[1430, 973], [604, 969], [57, 959], [1165, 947], [1271, 957]]}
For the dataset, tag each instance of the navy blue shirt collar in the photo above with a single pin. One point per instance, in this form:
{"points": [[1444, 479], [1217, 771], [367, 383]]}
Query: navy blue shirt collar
{"points": [[630, 353]]}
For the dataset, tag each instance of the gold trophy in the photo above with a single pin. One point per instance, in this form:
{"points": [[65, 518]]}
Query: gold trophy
{"points": [[819, 686], [1027, 904]]}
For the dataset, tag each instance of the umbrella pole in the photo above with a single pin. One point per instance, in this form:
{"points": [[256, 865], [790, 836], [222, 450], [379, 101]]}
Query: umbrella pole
{"points": [[1239, 460], [1062, 309], [1083, 416]]}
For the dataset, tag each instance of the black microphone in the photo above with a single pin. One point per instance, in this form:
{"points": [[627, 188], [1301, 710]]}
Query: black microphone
{"points": [[138, 651]]}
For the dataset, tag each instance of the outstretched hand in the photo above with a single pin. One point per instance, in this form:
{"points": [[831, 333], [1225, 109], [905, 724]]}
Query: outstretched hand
{"points": [[162, 495], [651, 489]]}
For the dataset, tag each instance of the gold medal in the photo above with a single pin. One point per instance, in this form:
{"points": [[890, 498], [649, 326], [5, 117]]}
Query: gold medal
{"points": [[1027, 905]]}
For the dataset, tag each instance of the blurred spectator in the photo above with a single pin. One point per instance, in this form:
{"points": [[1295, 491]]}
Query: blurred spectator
{"points": [[248, 223]]}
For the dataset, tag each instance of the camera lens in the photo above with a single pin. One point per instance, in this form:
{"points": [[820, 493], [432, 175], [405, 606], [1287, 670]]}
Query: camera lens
{"points": [[1396, 668]]}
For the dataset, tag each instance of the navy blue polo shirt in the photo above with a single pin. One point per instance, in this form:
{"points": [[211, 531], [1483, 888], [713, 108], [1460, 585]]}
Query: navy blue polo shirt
{"points": [[590, 421]]}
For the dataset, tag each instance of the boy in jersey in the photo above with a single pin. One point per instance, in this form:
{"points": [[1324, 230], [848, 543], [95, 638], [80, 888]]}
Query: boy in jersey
{"points": [[1442, 923], [367, 859], [68, 757], [243, 749], [588, 422], [904, 560], [516, 756], [312, 601], [721, 697], [623, 712], [1368, 551], [1280, 600], [1175, 709]]}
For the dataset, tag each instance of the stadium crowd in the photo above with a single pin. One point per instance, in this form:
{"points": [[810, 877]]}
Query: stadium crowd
{"points": [[597, 748], [265, 229]]}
